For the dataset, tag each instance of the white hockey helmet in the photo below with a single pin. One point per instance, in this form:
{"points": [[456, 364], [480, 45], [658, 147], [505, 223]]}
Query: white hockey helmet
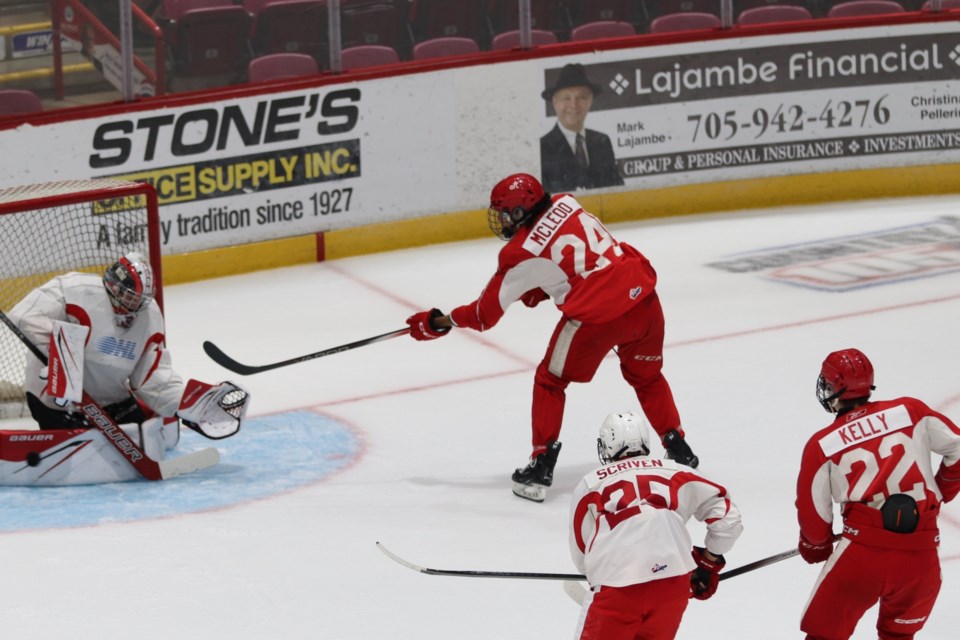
{"points": [[129, 283], [623, 435]]}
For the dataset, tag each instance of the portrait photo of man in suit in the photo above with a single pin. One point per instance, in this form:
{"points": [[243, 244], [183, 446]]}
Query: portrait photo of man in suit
{"points": [[572, 156]]}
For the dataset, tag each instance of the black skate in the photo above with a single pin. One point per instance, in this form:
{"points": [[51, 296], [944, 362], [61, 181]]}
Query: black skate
{"points": [[531, 481], [678, 449]]}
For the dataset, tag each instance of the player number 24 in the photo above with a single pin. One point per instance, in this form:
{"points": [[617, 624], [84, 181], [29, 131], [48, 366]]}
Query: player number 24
{"points": [[599, 241]]}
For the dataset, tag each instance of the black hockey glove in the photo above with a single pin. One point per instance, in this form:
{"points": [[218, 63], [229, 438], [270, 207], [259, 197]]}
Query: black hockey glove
{"points": [[678, 449]]}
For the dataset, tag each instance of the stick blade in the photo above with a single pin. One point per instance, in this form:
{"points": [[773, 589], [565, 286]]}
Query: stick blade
{"points": [[225, 361], [188, 463]]}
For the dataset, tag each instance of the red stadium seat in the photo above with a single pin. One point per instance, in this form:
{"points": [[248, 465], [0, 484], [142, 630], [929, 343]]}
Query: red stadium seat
{"points": [[739, 6], [864, 8], [442, 47], [374, 22], [657, 8], [584, 11], [367, 55], [602, 29], [211, 41], [511, 39], [773, 13], [684, 22], [173, 9], [17, 101], [277, 66], [431, 19], [289, 26], [545, 15]]}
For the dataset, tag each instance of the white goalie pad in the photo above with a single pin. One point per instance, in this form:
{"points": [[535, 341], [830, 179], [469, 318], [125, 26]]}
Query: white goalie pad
{"points": [[213, 411], [65, 368]]}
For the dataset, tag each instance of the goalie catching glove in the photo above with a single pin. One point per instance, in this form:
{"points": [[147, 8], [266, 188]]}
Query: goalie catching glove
{"points": [[213, 411]]}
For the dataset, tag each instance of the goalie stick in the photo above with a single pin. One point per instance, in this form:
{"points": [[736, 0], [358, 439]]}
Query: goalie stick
{"points": [[99, 419], [568, 577], [225, 361]]}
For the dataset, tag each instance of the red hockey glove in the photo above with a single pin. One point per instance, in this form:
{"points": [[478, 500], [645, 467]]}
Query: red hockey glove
{"points": [[948, 481], [706, 577], [534, 297], [814, 553], [422, 328]]}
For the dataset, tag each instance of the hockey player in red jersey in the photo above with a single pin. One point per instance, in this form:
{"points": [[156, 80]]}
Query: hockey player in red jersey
{"points": [[628, 535], [123, 362], [606, 292], [874, 460]]}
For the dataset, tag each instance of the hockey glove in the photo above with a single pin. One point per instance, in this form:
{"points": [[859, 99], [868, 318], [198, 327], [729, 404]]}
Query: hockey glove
{"points": [[678, 449], [814, 553], [534, 297], [705, 578], [948, 481], [422, 327]]}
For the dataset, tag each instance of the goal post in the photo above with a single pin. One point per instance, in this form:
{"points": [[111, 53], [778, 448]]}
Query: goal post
{"points": [[53, 228]]}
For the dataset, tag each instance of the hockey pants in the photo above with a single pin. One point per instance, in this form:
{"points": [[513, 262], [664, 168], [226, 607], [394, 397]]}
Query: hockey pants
{"points": [[857, 576], [645, 611], [575, 353]]}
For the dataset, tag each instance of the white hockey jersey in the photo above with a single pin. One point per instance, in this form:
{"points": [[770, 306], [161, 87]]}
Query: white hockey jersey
{"points": [[629, 521], [117, 361]]}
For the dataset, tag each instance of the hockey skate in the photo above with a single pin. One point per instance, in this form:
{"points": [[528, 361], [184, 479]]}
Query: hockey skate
{"points": [[678, 449], [531, 481]]}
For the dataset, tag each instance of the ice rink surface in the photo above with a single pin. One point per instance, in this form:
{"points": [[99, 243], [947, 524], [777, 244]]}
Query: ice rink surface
{"points": [[754, 302]]}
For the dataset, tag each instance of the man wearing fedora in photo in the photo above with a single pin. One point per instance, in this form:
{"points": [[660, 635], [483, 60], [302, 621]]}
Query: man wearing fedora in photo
{"points": [[572, 156]]}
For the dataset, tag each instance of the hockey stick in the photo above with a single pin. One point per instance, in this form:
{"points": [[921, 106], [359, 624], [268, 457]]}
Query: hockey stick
{"points": [[145, 466], [227, 362], [479, 574], [567, 576]]}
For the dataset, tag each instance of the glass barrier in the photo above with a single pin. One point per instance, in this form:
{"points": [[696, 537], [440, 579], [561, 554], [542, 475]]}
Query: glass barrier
{"points": [[62, 53]]}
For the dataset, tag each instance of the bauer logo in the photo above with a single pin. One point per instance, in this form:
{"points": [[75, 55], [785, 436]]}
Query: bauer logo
{"points": [[847, 263]]}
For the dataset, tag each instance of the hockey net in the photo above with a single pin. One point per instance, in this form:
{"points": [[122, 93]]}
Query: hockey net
{"points": [[53, 228]]}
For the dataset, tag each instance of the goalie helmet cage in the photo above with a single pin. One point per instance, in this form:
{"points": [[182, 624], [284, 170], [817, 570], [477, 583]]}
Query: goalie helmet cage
{"points": [[53, 228]]}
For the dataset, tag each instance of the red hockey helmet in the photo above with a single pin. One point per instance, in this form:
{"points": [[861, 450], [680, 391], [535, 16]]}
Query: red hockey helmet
{"points": [[846, 375], [129, 284], [514, 200]]}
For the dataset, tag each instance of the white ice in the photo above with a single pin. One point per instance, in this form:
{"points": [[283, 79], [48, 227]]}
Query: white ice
{"points": [[444, 423]]}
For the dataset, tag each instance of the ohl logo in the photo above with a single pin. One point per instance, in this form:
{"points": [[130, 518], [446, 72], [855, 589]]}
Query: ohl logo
{"points": [[110, 346]]}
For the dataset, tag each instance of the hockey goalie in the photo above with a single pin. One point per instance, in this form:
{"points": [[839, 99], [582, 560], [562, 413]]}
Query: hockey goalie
{"points": [[104, 337]]}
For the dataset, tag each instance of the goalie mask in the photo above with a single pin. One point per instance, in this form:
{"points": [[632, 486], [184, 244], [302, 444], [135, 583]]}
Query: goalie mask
{"points": [[129, 283], [844, 375], [515, 200], [623, 435]]}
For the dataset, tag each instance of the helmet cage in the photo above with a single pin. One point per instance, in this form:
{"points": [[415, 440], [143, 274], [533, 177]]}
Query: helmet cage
{"points": [[129, 285], [844, 375], [505, 222], [513, 202], [826, 393]]}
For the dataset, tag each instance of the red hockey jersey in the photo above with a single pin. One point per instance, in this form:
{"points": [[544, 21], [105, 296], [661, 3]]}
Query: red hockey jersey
{"points": [[571, 256], [872, 452]]}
